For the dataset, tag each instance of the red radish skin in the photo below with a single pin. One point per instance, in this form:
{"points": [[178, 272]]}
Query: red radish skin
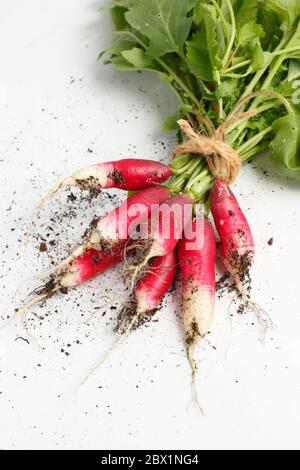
{"points": [[80, 270], [87, 266], [237, 246], [231, 223], [129, 174], [152, 287], [107, 233], [166, 227], [149, 292], [197, 258]]}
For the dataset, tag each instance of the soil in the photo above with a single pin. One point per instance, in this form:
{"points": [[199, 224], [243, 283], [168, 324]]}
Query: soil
{"points": [[193, 335], [240, 264], [117, 178], [127, 314]]}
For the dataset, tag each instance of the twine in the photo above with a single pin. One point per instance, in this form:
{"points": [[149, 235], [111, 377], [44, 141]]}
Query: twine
{"points": [[223, 161]]}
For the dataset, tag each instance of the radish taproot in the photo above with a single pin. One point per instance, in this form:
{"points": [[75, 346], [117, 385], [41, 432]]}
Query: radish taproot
{"points": [[197, 257], [106, 233], [149, 291]]}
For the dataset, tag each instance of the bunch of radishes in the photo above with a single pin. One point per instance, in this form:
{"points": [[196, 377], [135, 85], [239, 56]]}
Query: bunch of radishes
{"points": [[160, 225]]}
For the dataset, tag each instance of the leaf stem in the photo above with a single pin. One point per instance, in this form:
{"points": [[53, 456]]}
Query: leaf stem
{"points": [[255, 140], [220, 101], [217, 7], [236, 75], [237, 66], [254, 151], [178, 81], [286, 51], [232, 37]]}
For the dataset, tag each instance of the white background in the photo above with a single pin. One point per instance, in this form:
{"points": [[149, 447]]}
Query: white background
{"points": [[56, 102]]}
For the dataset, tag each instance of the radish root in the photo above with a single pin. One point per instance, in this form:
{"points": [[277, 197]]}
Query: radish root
{"points": [[143, 251], [60, 184], [264, 320], [110, 351], [192, 362]]}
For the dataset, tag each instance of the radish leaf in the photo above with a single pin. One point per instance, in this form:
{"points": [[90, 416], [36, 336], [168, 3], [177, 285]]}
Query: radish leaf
{"points": [[163, 22], [285, 148], [221, 58], [198, 58]]}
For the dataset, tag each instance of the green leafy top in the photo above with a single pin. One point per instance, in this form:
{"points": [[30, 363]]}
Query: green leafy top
{"points": [[221, 57]]}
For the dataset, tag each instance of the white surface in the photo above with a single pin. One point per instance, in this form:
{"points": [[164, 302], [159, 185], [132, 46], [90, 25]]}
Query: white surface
{"points": [[48, 121]]}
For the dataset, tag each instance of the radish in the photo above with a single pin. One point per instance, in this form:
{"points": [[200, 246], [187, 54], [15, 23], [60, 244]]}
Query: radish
{"points": [[129, 174], [108, 232], [166, 226], [237, 245], [80, 270], [149, 290], [197, 257]]}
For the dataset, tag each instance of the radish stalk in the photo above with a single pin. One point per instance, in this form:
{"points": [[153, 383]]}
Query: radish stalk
{"points": [[197, 257]]}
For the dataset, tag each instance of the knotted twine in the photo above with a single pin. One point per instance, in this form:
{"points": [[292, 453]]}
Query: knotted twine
{"points": [[223, 161]]}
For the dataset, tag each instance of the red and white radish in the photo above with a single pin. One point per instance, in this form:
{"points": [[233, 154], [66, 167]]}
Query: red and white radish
{"points": [[155, 283], [149, 291], [237, 245], [197, 257], [108, 232], [166, 227], [80, 270], [129, 174]]}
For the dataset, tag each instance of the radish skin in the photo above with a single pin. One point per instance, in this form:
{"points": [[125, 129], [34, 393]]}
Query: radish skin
{"points": [[148, 292], [167, 225], [197, 258], [152, 287], [87, 266], [237, 246], [129, 174], [231, 224]]}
